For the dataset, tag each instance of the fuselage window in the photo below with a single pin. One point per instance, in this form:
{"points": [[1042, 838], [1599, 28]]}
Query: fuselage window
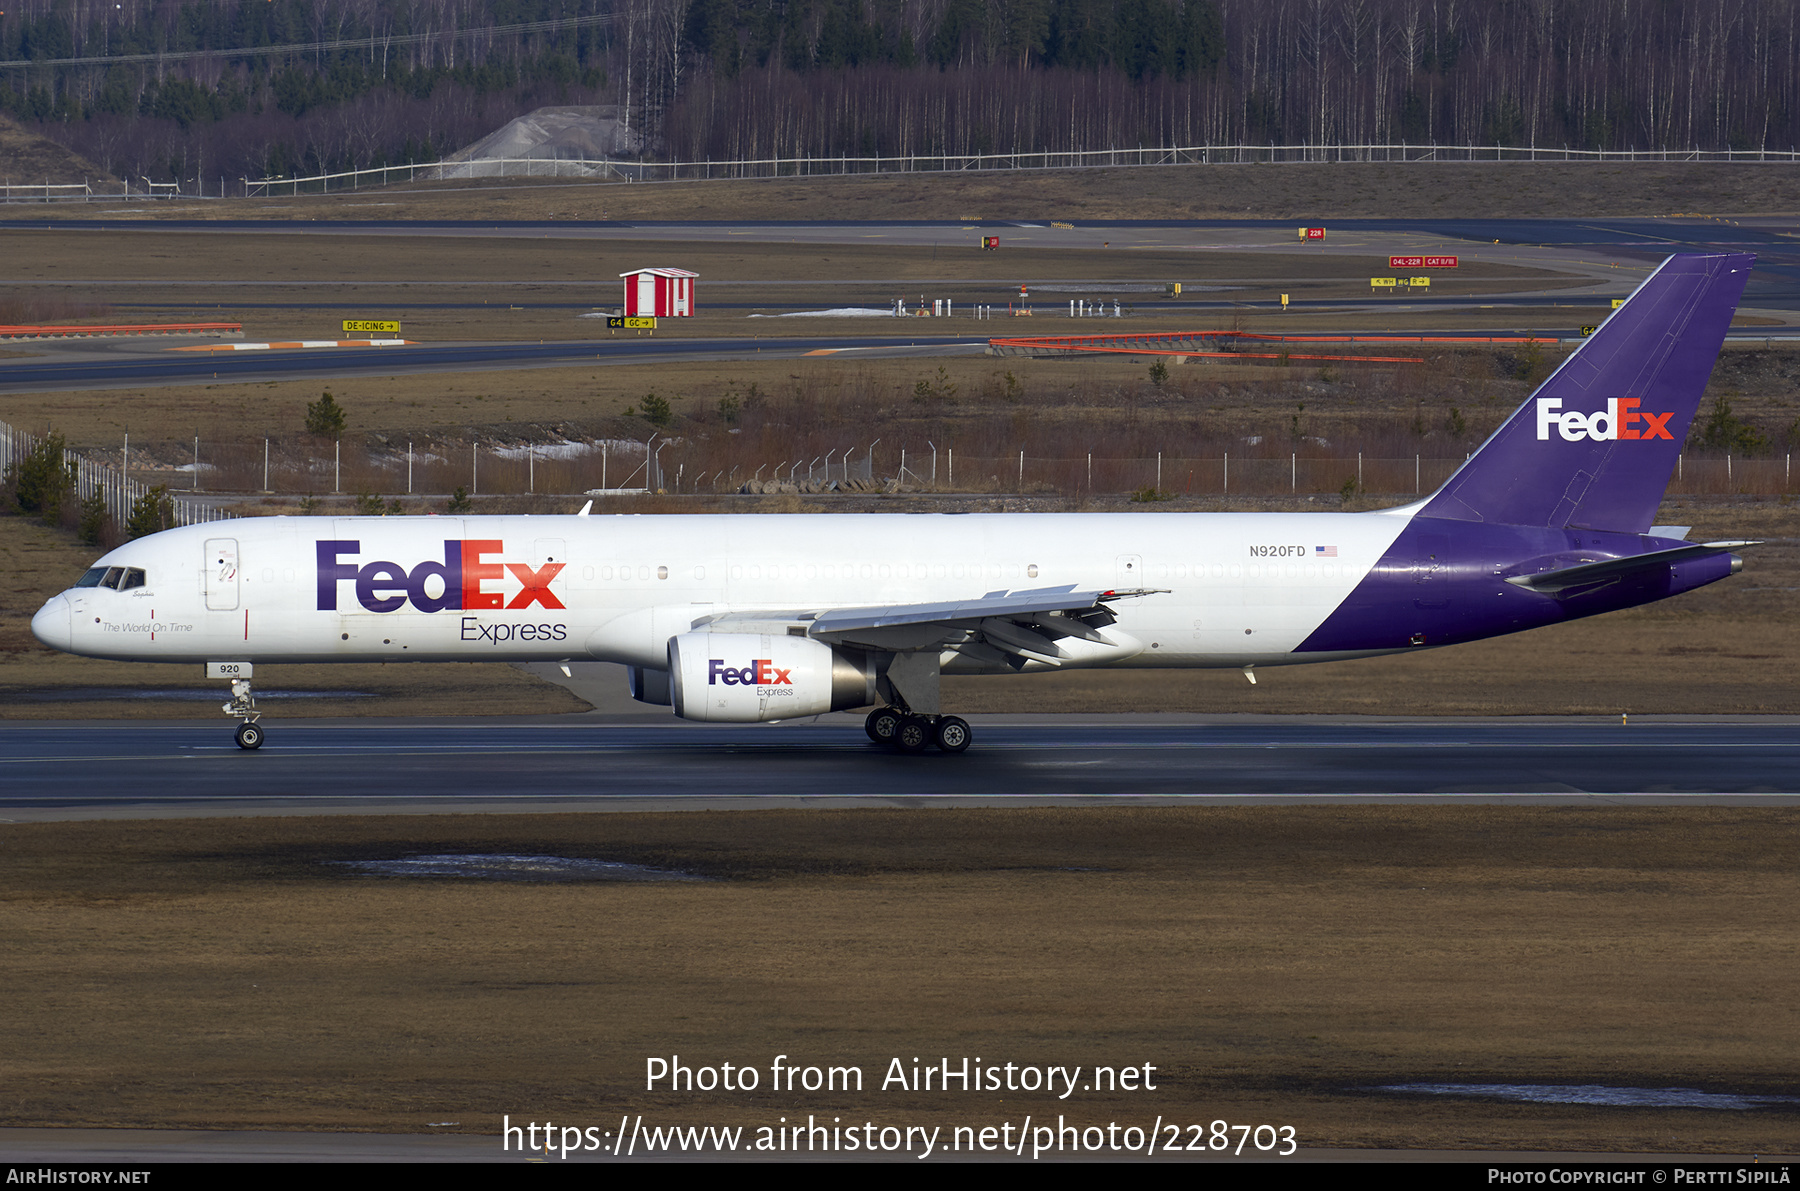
{"points": [[91, 578], [133, 578]]}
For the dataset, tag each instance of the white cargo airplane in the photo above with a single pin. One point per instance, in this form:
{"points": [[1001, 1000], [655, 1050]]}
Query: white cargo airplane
{"points": [[761, 618]]}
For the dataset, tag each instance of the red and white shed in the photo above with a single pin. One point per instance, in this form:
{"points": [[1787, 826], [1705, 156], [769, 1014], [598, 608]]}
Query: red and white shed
{"points": [[659, 293]]}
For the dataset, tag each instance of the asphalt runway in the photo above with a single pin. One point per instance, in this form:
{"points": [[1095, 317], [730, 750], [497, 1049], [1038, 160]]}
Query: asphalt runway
{"points": [[93, 371], [583, 763]]}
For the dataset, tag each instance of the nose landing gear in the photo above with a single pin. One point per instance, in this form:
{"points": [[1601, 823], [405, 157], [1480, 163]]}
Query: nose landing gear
{"points": [[243, 708]]}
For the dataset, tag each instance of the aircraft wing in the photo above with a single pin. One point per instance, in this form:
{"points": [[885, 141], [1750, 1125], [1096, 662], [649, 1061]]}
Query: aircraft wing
{"points": [[1590, 574], [1018, 623]]}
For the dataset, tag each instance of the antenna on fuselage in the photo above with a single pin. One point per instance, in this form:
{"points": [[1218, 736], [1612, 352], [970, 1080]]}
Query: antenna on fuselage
{"points": [[585, 508]]}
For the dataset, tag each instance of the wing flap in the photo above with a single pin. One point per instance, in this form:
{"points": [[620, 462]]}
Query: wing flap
{"points": [[1021, 623]]}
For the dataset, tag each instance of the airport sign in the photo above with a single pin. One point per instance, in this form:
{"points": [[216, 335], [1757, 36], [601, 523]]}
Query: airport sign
{"points": [[365, 326], [1421, 262], [632, 323]]}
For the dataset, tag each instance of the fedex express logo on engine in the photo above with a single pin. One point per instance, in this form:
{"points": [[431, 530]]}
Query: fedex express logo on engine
{"points": [[1621, 419], [465, 580], [760, 672]]}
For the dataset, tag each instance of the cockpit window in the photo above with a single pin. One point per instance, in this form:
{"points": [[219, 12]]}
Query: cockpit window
{"points": [[113, 575], [134, 577], [92, 578]]}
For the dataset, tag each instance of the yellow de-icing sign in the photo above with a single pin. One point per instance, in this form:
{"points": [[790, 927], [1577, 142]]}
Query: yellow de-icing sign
{"points": [[631, 324], [364, 326]]}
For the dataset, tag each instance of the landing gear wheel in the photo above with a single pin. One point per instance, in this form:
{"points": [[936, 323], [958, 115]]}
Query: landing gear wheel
{"points": [[882, 724], [953, 734], [914, 734], [249, 736]]}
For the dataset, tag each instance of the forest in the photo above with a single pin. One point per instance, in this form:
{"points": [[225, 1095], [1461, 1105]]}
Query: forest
{"points": [[212, 91]]}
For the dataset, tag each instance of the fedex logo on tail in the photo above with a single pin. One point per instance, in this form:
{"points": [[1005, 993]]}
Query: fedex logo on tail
{"points": [[760, 672], [1621, 419], [464, 581]]}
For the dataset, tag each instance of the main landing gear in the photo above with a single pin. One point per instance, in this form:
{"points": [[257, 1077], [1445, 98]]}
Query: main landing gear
{"points": [[905, 732], [243, 707]]}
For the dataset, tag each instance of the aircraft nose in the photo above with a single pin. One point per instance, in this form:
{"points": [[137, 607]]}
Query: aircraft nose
{"points": [[51, 624]]}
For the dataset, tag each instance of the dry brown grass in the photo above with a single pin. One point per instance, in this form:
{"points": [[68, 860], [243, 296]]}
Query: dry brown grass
{"points": [[32, 160], [1300, 192], [1272, 965]]}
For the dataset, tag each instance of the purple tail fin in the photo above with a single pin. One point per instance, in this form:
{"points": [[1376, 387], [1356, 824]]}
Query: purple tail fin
{"points": [[1595, 445]]}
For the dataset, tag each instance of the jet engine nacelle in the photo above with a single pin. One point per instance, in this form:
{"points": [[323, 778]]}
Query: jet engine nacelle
{"points": [[648, 686], [746, 678]]}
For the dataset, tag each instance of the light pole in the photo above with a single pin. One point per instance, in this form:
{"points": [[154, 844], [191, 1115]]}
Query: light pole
{"points": [[656, 460]]}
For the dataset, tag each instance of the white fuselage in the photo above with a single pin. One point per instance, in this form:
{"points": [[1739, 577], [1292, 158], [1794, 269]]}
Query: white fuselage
{"points": [[1228, 589]]}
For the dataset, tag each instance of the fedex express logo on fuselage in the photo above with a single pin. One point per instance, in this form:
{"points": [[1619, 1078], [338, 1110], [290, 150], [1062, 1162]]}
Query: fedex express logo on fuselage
{"points": [[1621, 419], [464, 581]]}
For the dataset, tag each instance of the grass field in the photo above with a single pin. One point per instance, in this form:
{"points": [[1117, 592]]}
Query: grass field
{"points": [[1274, 966]]}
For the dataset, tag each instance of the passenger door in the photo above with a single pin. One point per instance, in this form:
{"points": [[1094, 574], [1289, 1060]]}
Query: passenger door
{"points": [[220, 574]]}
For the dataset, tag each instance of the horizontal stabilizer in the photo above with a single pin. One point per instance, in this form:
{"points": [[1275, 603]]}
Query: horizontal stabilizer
{"points": [[1590, 574]]}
